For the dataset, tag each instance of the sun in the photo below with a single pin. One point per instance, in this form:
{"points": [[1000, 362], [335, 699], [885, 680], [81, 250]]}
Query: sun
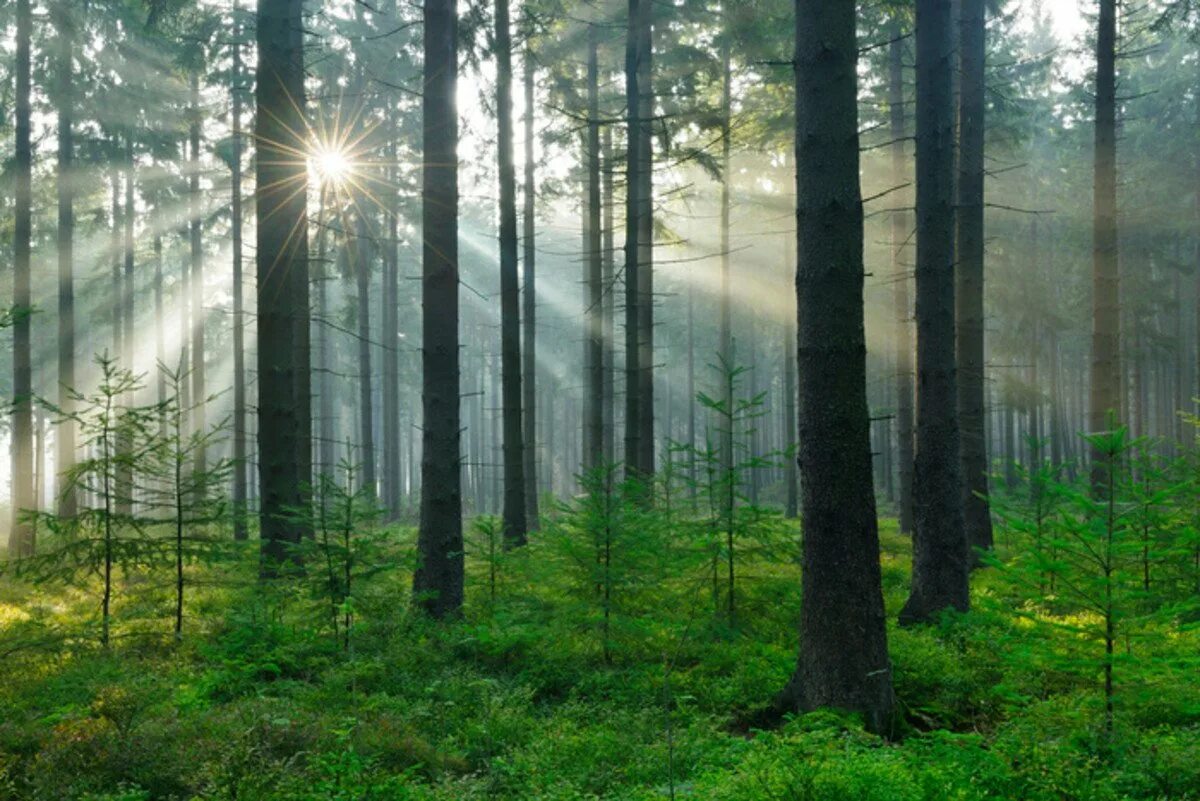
{"points": [[332, 165]]}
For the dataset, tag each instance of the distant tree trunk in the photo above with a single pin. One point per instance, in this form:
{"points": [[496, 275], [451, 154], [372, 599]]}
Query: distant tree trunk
{"points": [[593, 423], [160, 334], [326, 435], [363, 256], [608, 305], [633, 296], [392, 479], [725, 313], [114, 241], [127, 224], [284, 416], [843, 660], [195, 242], [239, 321], [438, 580], [645, 242], [529, 309], [940, 553], [65, 456], [510, 292], [22, 539], [900, 284], [1106, 320], [969, 315]]}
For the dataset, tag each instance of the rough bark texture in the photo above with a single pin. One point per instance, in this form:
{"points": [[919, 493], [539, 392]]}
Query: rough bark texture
{"points": [[900, 286], [529, 310], [940, 555], [438, 580], [1106, 313], [65, 455], [510, 292], [21, 540], [284, 416], [843, 659], [969, 319], [633, 185]]}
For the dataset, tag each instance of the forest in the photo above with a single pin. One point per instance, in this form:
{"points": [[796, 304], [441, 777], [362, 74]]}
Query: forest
{"points": [[747, 400]]}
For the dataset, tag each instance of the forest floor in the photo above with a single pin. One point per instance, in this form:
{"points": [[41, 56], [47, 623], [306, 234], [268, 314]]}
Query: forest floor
{"points": [[261, 700]]}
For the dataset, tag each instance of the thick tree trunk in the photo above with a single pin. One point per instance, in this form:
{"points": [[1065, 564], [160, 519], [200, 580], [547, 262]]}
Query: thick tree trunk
{"points": [[510, 292], [21, 540], [969, 312], [65, 456], [529, 310], [900, 284], [593, 422], [940, 553], [284, 415], [438, 580], [843, 659], [1105, 399]]}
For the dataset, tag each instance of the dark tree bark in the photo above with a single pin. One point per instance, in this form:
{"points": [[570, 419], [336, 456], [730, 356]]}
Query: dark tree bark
{"points": [[529, 312], [363, 256], [940, 555], [21, 540], [438, 580], [608, 304], [284, 415], [843, 659], [969, 312], [791, 473], [593, 422], [510, 292], [1106, 313], [196, 246], [633, 296], [239, 321], [645, 241], [393, 489], [65, 456], [900, 285]]}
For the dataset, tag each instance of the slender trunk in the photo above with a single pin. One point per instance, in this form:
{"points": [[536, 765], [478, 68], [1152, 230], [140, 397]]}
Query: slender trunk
{"points": [[326, 433], [239, 321], [21, 541], [529, 310], [438, 580], [510, 291], [633, 296], [645, 240], [65, 456], [125, 440], [901, 222], [1106, 337], [725, 332], [392, 481], [195, 232], [284, 416], [940, 552], [843, 659], [593, 422], [608, 304], [362, 276]]}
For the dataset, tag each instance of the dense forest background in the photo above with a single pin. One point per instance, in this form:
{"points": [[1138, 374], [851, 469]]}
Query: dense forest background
{"points": [[781, 399]]}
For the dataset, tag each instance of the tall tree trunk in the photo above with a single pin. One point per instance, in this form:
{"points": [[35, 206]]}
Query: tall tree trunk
{"points": [[1106, 314], [438, 580], [195, 243], [393, 485], [645, 242], [362, 277], [608, 304], [326, 430], [239, 320], [593, 422], [22, 539], [65, 455], [510, 291], [843, 659], [284, 415], [969, 312], [940, 553], [529, 310], [725, 312], [633, 295], [900, 284]]}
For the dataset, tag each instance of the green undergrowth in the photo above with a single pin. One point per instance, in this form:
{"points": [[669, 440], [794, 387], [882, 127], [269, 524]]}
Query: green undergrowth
{"points": [[261, 699]]}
